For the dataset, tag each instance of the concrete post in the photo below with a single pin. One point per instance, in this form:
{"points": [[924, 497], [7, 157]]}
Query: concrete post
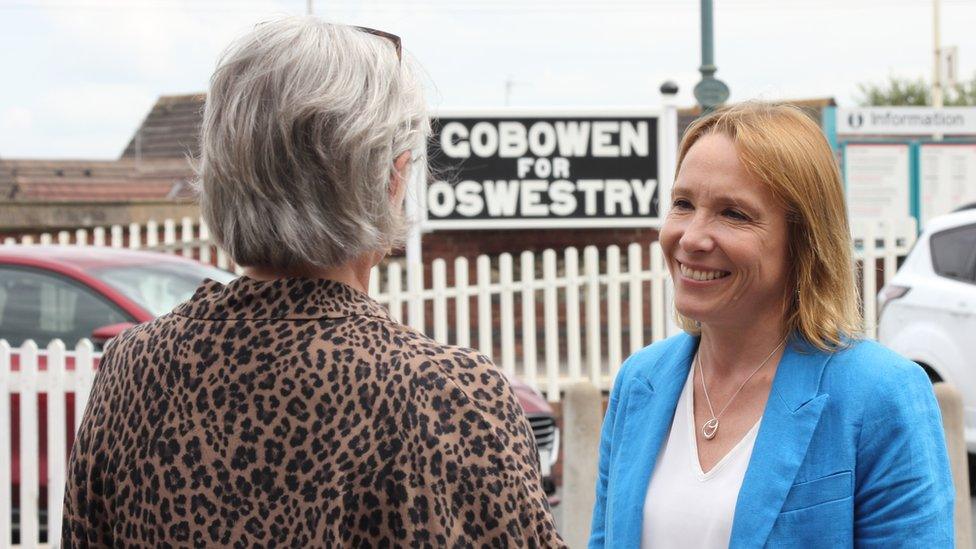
{"points": [[950, 402], [582, 419]]}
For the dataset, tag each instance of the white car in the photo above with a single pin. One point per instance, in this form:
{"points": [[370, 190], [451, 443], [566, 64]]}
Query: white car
{"points": [[928, 310]]}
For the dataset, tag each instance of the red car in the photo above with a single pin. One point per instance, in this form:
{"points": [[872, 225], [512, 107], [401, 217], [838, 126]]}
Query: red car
{"points": [[70, 293]]}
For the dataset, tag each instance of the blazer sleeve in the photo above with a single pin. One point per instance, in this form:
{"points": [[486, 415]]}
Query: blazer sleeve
{"points": [[905, 492], [598, 526]]}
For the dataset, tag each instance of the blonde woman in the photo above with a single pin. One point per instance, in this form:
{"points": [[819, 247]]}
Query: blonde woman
{"points": [[768, 422]]}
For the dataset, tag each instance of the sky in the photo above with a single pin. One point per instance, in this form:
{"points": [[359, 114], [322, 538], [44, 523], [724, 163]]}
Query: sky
{"points": [[78, 76]]}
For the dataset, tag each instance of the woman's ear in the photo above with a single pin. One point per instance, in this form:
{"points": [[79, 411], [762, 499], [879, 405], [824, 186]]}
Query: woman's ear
{"points": [[398, 179]]}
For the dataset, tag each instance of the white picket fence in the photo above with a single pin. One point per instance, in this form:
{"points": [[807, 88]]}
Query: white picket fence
{"points": [[188, 237], [54, 373], [546, 318], [530, 313]]}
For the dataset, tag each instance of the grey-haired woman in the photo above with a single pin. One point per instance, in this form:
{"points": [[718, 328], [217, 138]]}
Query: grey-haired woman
{"points": [[288, 408]]}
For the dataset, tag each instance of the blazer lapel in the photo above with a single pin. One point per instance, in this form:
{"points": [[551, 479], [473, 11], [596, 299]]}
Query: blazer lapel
{"points": [[649, 406], [789, 420]]}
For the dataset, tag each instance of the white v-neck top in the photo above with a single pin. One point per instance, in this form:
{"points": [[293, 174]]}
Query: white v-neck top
{"points": [[684, 506]]}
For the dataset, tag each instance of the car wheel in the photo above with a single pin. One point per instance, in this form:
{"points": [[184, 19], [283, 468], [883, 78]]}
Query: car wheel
{"points": [[933, 376], [972, 474]]}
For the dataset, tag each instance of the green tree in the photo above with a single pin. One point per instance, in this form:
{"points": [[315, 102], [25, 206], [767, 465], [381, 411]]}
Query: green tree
{"points": [[963, 94], [914, 92]]}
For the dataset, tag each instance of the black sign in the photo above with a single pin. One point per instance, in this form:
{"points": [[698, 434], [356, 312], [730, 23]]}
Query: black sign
{"points": [[551, 171]]}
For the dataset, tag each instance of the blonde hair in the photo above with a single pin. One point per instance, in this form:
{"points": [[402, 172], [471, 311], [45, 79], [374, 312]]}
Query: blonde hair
{"points": [[785, 149]]}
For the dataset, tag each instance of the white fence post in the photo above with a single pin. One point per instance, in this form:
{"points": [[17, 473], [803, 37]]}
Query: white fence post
{"points": [[56, 438], [98, 236], [507, 310], [462, 311], [186, 236], [439, 279], [529, 350], [415, 297], [591, 266], [484, 307], [117, 236], [613, 310], [223, 260], [84, 378], [81, 237], [573, 345], [658, 307], [550, 308], [152, 234], [635, 297], [869, 272], [890, 250], [204, 243], [29, 451], [64, 238], [169, 236], [394, 288], [374, 282], [135, 236], [5, 429]]}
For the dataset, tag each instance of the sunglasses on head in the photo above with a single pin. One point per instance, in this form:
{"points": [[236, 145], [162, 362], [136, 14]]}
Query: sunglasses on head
{"points": [[391, 37]]}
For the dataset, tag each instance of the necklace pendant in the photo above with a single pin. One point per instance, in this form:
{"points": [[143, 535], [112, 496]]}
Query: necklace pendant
{"points": [[709, 428]]}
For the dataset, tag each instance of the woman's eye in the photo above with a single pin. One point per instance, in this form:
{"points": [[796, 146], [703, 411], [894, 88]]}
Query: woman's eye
{"points": [[737, 215]]}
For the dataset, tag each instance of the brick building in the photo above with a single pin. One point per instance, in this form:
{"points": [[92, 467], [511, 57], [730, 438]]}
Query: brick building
{"points": [[155, 166]]}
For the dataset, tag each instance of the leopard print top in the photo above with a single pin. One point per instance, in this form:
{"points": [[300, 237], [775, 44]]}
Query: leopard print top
{"points": [[298, 413]]}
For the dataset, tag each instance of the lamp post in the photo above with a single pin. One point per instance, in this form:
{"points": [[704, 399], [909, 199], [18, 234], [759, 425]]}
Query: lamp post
{"points": [[937, 66], [937, 92], [710, 91], [667, 164]]}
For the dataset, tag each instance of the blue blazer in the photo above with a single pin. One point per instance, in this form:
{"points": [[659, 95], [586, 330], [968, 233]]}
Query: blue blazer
{"points": [[850, 451]]}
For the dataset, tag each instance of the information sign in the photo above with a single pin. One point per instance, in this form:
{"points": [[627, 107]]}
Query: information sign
{"points": [[906, 121], [878, 180]]}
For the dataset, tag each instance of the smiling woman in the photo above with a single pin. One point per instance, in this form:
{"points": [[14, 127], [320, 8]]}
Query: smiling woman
{"points": [[725, 239], [768, 422], [777, 176]]}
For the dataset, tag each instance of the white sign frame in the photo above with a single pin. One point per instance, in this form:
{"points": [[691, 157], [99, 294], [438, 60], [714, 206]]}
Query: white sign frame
{"points": [[664, 180]]}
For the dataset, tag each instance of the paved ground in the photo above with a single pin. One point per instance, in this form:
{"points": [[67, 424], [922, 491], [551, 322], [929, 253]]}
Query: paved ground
{"points": [[558, 513]]}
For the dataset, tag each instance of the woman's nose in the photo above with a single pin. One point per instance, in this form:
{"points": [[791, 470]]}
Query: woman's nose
{"points": [[696, 236]]}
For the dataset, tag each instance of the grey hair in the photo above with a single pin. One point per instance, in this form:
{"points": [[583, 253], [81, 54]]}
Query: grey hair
{"points": [[303, 122]]}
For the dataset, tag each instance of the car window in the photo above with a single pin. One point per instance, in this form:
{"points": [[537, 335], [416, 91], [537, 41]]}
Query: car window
{"points": [[160, 287], [954, 253], [39, 306]]}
